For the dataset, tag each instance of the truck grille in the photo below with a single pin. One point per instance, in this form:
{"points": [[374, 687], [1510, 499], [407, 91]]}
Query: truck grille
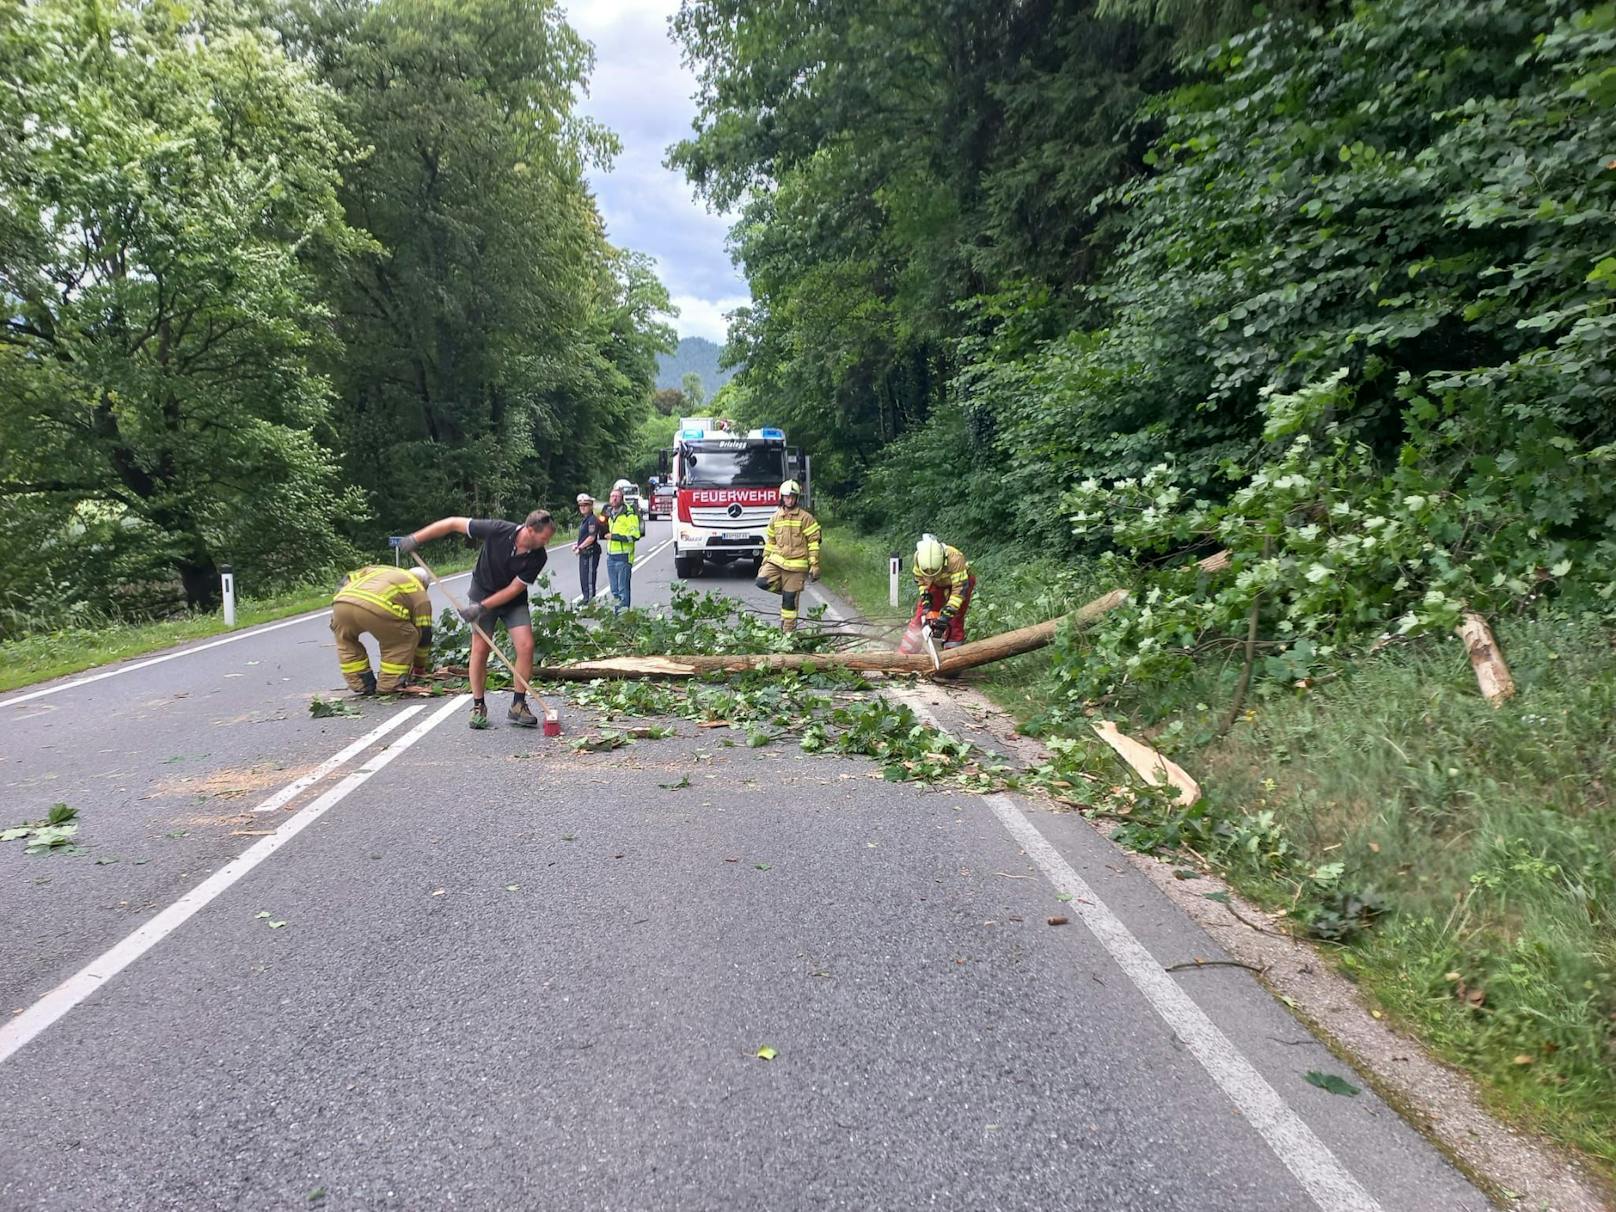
{"points": [[753, 518]]}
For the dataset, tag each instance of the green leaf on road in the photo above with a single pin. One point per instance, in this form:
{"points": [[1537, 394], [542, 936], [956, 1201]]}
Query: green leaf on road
{"points": [[766, 1053], [322, 709], [512, 887], [761, 866], [276, 925], [684, 781], [1063, 896], [262, 914], [569, 837], [1222, 898], [1332, 1083]]}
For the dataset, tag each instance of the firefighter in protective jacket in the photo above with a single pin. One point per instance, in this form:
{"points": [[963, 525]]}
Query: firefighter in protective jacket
{"points": [[946, 583], [790, 553], [392, 604]]}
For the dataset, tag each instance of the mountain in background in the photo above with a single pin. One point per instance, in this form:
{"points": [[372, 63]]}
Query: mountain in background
{"points": [[694, 354]]}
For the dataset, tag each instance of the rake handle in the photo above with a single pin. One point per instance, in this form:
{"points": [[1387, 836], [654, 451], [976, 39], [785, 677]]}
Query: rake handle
{"points": [[521, 682]]}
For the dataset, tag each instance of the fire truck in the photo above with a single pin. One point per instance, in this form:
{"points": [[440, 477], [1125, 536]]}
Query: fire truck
{"points": [[726, 486]]}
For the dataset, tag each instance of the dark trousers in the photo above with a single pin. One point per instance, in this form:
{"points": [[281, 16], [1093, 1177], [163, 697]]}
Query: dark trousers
{"points": [[588, 572]]}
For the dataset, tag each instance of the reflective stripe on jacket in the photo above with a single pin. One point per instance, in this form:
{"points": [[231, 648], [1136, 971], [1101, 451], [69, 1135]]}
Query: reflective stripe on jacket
{"points": [[623, 530], [956, 572], [393, 591], [791, 540]]}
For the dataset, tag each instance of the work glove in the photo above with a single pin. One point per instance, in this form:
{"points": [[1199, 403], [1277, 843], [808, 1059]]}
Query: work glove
{"points": [[939, 626], [474, 612], [406, 543], [813, 572]]}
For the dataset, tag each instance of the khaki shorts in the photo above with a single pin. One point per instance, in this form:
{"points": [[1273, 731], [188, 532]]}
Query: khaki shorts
{"points": [[784, 580]]}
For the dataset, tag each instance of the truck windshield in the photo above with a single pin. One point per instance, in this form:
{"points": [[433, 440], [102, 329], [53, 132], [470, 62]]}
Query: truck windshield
{"points": [[732, 465]]}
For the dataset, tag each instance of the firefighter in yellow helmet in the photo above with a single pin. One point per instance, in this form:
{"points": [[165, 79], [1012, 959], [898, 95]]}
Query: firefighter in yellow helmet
{"points": [[946, 583], [392, 604], [790, 552]]}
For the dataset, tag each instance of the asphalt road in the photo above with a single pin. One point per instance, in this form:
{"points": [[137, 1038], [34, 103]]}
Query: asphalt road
{"points": [[513, 976]]}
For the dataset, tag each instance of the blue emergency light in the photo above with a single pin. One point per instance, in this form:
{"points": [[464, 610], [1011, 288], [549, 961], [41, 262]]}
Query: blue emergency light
{"points": [[774, 435], [693, 435]]}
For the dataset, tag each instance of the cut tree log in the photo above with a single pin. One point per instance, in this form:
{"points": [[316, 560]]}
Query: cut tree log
{"points": [[1149, 764], [1492, 674], [953, 661]]}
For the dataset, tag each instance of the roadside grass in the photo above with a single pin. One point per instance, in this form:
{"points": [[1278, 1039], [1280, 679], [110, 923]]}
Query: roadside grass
{"points": [[41, 656], [1459, 861]]}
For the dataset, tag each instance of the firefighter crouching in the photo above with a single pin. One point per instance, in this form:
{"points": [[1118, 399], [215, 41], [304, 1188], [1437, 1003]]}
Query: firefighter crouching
{"points": [[391, 604], [790, 553], [946, 582]]}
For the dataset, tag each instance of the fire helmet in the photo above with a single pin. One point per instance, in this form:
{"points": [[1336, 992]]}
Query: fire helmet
{"points": [[791, 489], [929, 555]]}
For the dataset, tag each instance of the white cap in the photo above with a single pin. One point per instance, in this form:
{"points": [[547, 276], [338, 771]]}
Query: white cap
{"points": [[584, 496]]}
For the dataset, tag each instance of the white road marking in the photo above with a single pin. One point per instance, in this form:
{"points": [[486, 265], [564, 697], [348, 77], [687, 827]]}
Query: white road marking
{"points": [[182, 652], [341, 758], [1307, 1157], [18, 1032], [653, 552]]}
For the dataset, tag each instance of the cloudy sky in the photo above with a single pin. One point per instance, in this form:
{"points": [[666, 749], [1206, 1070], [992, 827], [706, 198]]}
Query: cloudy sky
{"points": [[641, 91]]}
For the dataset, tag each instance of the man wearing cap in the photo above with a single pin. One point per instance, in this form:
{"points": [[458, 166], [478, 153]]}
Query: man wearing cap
{"points": [[587, 547], [790, 553]]}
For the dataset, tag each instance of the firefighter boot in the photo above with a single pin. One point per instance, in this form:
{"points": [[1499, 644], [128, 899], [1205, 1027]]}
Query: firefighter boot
{"points": [[369, 678]]}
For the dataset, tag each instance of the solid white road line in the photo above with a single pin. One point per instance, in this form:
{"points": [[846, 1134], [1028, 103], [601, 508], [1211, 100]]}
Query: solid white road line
{"points": [[653, 552], [19, 1031], [175, 655], [1319, 1171], [342, 758]]}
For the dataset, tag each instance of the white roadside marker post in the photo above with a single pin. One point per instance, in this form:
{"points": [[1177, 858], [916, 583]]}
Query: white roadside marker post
{"points": [[227, 582], [894, 567]]}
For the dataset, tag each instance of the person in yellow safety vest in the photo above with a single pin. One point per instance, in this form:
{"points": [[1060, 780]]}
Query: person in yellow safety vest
{"points": [[790, 553], [946, 583], [392, 604], [622, 532]]}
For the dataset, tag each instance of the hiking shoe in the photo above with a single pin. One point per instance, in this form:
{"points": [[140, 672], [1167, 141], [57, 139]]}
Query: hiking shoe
{"points": [[522, 715], [479, 715]]}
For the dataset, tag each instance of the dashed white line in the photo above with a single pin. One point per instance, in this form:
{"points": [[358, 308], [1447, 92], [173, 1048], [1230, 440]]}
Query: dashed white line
{"points": [[25, 1027], [1319, 1171]]}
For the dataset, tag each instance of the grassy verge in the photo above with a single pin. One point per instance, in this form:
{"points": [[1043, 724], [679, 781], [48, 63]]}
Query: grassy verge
{"points": [[1457, 860], [46, 655]]}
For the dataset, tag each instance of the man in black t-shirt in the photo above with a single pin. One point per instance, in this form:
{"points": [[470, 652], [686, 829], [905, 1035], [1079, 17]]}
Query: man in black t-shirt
{"points": [[511, 559]]}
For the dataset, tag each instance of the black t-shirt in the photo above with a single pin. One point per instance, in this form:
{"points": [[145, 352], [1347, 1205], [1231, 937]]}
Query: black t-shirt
{"points": [[499, 563]]}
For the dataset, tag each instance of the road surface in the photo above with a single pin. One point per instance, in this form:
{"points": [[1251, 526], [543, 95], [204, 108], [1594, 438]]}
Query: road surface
{"points": [[512, 976]]}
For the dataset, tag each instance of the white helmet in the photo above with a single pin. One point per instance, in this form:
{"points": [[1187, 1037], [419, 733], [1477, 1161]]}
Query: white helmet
{"points": [[625, 485], [583, 497], [791, 489], [929, 555]]}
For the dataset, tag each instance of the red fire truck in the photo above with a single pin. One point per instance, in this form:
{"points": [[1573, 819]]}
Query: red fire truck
{"points": [[726, 486]]}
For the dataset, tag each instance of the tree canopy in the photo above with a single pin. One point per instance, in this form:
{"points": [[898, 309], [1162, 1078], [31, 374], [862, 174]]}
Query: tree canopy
{"points": [[282, 281]]}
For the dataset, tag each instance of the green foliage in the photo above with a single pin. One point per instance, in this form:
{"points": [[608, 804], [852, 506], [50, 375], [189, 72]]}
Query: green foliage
{"points": [[1392, 334], [53, 835], [495, 351], [273, 290], [165, 175]]}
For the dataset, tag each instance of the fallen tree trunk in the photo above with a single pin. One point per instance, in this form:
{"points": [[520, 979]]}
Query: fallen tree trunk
{"points": [[952, 660]]}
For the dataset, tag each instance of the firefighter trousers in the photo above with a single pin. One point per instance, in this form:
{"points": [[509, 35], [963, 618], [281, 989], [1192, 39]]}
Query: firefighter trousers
{"points": [[788, 583], [395, 637]]}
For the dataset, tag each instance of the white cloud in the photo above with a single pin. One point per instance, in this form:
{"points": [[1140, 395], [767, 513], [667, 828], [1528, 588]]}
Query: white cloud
{"points": [[642, 92], [705, 317]]}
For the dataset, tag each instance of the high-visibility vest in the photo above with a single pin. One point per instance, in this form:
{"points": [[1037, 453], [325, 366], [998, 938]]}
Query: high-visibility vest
{"points": [[791, 540], [622, 531]]}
